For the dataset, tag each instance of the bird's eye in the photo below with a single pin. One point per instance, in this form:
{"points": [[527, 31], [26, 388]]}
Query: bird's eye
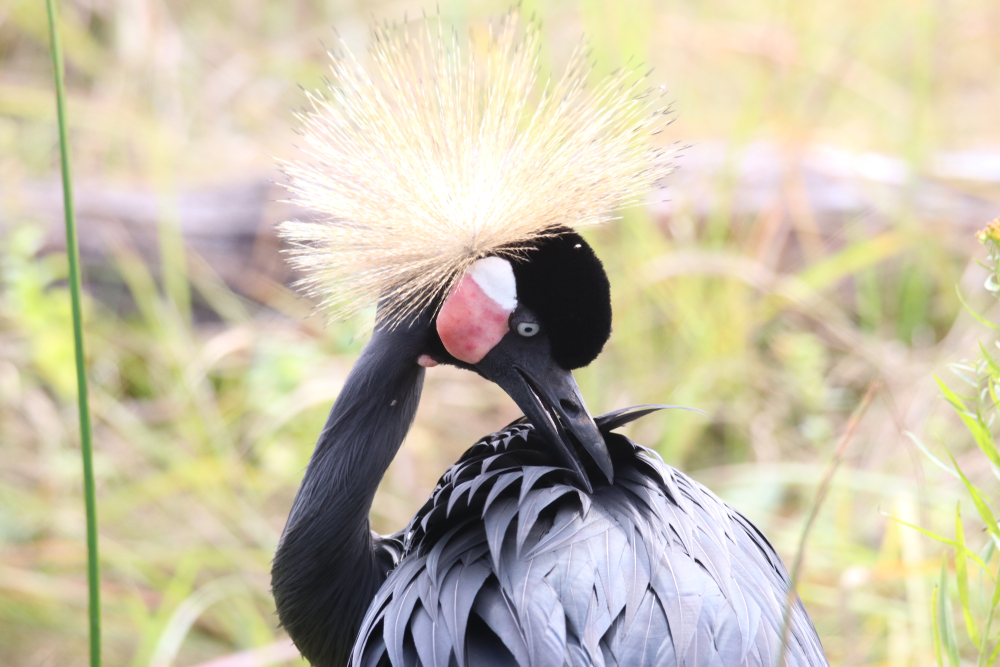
{"points": [[528, 329]]}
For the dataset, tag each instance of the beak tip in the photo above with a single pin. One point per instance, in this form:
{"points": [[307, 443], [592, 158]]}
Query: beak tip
{"points": [[603, 460], [582, 429]]}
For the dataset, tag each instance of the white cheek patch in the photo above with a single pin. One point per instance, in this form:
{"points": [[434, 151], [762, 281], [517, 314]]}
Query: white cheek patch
{"points": [[495, 277]]}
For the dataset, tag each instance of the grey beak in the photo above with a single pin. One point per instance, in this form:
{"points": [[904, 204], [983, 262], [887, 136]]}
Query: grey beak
{"points": [[551, 400]]}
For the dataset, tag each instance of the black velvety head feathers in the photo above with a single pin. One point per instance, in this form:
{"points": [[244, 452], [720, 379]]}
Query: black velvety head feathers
{"points": [[563, 283]]}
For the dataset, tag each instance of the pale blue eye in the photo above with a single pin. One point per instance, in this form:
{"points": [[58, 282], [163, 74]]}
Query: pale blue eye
{"points": [[528, 329]]}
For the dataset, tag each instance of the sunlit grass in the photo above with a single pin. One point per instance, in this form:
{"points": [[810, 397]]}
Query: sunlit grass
{"points": [[773, 319]]}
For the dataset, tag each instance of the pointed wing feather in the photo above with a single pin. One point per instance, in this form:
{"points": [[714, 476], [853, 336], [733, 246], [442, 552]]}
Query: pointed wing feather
{"points": [[497, 611], [458, 593]]}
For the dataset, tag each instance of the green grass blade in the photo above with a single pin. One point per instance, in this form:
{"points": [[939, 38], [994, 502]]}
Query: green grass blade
{"points": [[988, 358], [945, 620], [984, 647], [994, 655], [974, 422], [972, 311], [72, 251], [981, 503], [936, 624], [941, 464], [962, 577]]}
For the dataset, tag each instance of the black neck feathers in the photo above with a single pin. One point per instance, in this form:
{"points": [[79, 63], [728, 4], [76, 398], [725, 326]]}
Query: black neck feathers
{"points": [[326, 570]]}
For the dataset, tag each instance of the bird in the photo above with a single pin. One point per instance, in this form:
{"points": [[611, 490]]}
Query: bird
{"points": [[448, 183]]}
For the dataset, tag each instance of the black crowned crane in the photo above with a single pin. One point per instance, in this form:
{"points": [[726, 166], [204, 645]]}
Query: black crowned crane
{"points": [[448, 185]]}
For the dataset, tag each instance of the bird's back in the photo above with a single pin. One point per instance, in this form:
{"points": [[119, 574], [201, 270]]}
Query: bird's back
{"points": [[509, 564]]}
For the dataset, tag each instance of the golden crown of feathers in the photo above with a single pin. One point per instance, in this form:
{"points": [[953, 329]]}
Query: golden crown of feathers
{"points": [[443, 155]]}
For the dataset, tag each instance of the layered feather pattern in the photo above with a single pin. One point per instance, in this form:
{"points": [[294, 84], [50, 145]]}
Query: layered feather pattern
{"points": [[508, 564], [446, 152]]}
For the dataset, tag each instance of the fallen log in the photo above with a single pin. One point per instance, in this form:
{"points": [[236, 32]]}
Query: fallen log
{"points": [[813, 191]]}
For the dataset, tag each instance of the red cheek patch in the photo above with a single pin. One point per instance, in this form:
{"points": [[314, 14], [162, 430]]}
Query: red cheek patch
{"points": [[470, 323]]}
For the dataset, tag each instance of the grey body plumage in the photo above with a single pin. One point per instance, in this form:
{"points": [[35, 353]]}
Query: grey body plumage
{"points": [[509, 564]]}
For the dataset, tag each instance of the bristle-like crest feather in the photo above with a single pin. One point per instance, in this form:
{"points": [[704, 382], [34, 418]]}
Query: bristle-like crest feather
{"points": [[450, 152]]}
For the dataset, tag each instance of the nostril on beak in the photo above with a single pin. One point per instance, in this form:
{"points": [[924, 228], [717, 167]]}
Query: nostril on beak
{"points": [[571, 408]]}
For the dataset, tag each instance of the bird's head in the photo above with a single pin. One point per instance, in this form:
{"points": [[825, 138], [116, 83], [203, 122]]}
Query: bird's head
{"points": [[525, 322], [447, 181]]}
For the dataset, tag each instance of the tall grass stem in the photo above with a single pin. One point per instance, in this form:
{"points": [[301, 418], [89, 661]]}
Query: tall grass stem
{"points": [[73, 253], [824, 486]]}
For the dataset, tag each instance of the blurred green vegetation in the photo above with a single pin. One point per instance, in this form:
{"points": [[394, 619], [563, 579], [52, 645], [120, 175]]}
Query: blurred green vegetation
{"points": [[207, 403], [976, 577]]}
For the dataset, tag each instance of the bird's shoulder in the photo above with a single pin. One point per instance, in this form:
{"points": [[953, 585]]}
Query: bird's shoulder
{"points": [[508, 556]]}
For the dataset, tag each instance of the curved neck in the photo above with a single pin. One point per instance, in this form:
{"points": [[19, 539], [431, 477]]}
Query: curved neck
{"points": [[325, 572]]}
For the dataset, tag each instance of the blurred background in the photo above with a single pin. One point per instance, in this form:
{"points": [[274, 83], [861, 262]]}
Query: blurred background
{"points": [[836, 159]]}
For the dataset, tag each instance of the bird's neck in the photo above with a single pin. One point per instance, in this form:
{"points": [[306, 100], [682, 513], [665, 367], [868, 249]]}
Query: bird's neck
{"points": [[326, 570]]}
